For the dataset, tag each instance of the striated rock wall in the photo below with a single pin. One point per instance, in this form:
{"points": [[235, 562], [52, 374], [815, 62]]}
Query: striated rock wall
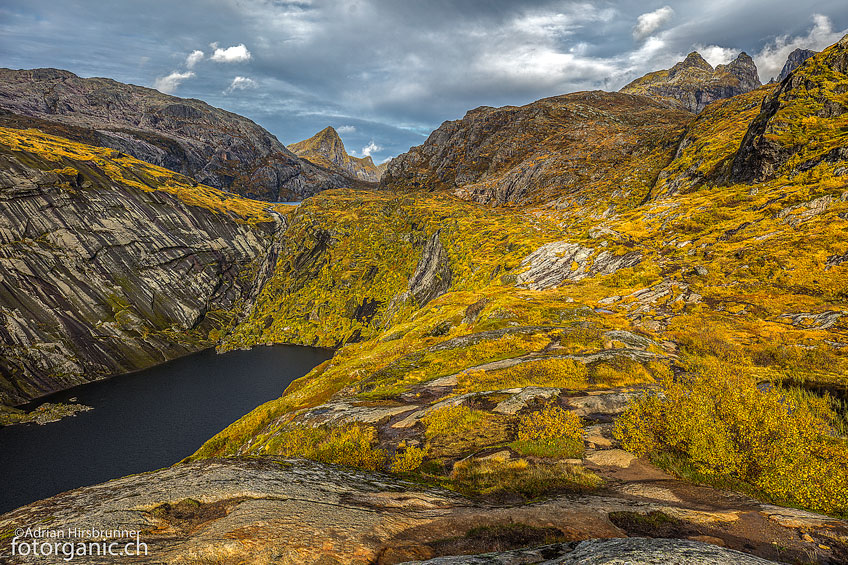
{"points": [[98, 277], [216, 147]]}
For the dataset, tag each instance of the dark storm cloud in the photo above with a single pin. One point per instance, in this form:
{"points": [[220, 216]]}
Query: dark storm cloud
{"points": [[393, 70]]}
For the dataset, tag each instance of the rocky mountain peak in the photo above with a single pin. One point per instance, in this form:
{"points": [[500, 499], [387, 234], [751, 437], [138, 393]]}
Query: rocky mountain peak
{"points": [[692, 60], [744, 69], [327, 150], [693, 83], [793, 61]]}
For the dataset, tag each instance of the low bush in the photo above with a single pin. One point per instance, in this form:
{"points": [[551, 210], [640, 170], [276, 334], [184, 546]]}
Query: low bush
{"points": [[725, 425], [351, 445]]}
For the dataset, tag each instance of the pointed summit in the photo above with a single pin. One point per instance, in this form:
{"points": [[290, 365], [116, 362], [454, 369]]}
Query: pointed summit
{"points": [[744, 69], [693, 82], [692, 61], [327, 150], [795, 60]]}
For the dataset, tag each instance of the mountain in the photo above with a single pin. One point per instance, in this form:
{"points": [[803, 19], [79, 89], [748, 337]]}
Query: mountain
{"points": [[693, 83], [326, 149], [109, 264], [718, 287], [588, 152], [793, 61], [213, 146]]}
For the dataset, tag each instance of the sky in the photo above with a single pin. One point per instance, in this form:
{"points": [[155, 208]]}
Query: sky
{"points": [[385, 73]]}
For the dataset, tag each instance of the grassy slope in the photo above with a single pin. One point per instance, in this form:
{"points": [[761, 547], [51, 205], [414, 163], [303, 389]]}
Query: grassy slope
{"points": [[734, 263], [132, 172]]}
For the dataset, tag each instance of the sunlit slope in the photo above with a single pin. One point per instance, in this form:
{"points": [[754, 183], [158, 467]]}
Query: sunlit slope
{"points": [[711, 276]]}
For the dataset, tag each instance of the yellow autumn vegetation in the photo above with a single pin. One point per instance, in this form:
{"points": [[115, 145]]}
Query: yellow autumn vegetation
{"points": [[351, 445], [726, 425], [554, 372], [69, 158]]}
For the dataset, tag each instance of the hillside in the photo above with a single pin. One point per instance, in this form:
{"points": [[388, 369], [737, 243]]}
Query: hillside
{"points": [[213, 146], [592, 153], [471, 319], [326, 149], [693, 83], [109, 264]]}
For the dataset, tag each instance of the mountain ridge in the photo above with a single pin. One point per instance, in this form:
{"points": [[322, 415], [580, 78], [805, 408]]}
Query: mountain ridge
{"points": [[693, 83], [217, 147]]}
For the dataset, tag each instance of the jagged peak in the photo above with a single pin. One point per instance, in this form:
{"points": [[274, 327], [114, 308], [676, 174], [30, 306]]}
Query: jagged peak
{"points": [[693, 59], [328, 131], [742, 59]]}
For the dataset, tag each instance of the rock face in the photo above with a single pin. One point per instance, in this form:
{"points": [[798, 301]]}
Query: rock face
{"points": [[218, 148], [815, 90], [326, 149], [589, 152], [795, 60], [100, 277], [557, 262], [432, 277], [636, 551], [693, 83], [299, 512]]}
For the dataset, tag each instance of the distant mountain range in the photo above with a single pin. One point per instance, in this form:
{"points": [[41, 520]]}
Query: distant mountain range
{"points": [[213, 146]]}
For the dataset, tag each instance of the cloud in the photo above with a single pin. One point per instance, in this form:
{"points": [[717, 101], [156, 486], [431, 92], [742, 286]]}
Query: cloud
{"points": [[168, 84], [648, 23], [346, 129], [193, 58], [235, 54], [240, 83], [370, 148], [771, 58], [717, 55]]}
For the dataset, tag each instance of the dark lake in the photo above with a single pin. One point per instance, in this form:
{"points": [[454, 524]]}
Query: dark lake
{"points": [[143, 421]]}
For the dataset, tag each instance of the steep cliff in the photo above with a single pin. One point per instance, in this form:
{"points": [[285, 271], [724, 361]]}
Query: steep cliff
{"points": [[794, 133], [326, 149], [693, 83], [793, 61], [108, 264], [213, 146], [588, 152]]}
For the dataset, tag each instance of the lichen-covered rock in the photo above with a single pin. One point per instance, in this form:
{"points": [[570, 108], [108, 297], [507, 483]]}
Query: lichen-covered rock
{"points": [[625, 551], [560, 261], [299, 512]]}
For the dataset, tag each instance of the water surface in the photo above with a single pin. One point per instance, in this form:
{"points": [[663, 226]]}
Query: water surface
{"points": [[143, 421]]}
